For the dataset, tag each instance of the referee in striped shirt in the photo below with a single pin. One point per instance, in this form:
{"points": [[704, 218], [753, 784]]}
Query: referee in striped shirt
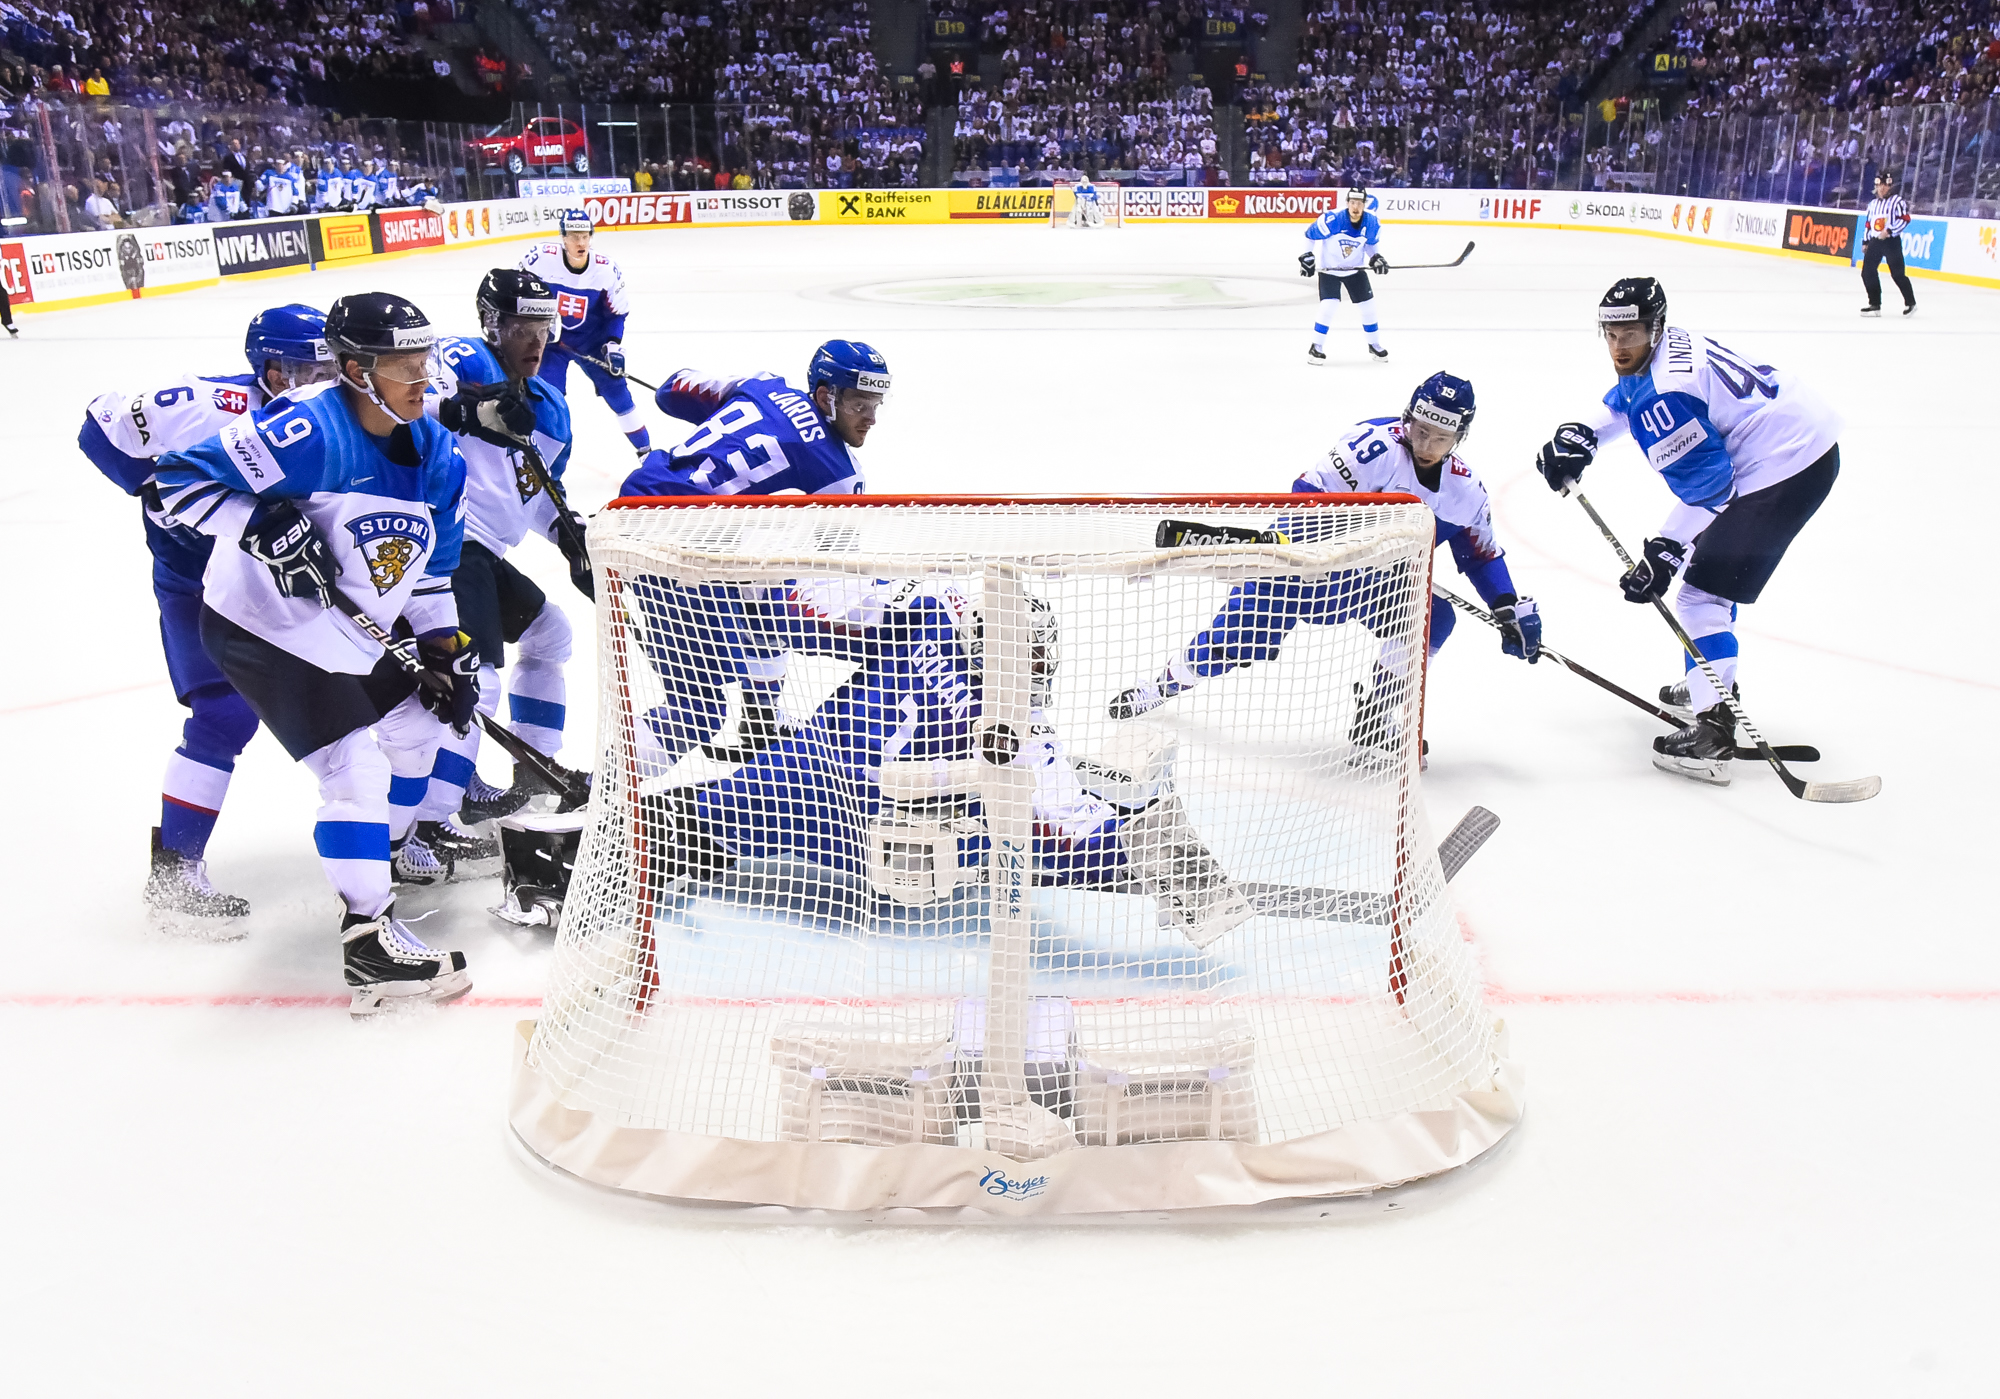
{"points": [[1888, 216]]}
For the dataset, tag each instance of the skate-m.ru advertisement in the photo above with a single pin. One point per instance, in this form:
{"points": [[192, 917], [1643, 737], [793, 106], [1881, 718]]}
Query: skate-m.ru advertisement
{"points": [[405, 229]]}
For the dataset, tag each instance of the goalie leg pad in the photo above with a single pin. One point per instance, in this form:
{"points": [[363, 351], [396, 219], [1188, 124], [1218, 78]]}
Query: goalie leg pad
{"points": [[1168, 859]]}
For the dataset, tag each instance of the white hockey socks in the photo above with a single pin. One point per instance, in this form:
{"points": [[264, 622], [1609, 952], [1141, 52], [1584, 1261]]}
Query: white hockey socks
{"points": [[352, 829], [537, 695], [1328, 308], [1711, 622]]}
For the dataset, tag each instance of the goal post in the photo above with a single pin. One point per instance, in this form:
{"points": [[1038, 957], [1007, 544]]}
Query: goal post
{"points": [[1110, 203], [1020, 855]]}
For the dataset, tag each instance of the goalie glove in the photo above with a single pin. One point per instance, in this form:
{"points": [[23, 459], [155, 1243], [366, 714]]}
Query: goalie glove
{"points": [[1185, 534], [757, 728], [451, 668], [1647, 579], [1379, 265], [495, 413], [1520, 623], [284, 541], [1305, 264]]}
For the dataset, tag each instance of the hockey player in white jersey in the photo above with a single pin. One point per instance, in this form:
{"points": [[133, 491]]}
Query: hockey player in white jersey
{"points": [[1343, 247], [1086, 208], [1416, 454], [1749, 453], [339, 502], [590, 293], [487, 392], [123, 433]]}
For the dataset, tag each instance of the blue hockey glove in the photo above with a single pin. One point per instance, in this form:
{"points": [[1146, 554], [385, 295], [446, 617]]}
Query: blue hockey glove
{"points": [[1520, 627], [614, 357], [1564, 456], [448, 656], [1648, 578], [1305, 264], [285, 542], [1379, 265]]}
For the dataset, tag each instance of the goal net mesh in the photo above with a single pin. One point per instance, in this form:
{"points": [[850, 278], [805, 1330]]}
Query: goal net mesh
{"points": [[882, 853]]}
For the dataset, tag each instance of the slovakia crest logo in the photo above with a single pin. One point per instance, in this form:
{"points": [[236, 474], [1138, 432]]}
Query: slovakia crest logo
{"points": [[572, 308], [391, 542], [232, 400]]}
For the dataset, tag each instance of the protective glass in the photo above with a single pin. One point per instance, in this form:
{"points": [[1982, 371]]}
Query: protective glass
{"points": [[1429, 441], [527, 330], [300, 372], [1625, 335]]}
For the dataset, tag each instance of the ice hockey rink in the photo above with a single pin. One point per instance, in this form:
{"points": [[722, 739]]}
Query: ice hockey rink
{"points": [[1760, 1036]]}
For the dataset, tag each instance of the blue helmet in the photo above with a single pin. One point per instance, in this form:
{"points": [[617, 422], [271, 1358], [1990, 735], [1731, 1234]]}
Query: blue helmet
{"points": [[848, 364], [1444, 401], [574, 221], [291, 333]]}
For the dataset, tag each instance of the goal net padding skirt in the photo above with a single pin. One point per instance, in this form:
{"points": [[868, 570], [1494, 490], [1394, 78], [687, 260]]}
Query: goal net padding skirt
{"points": [[975, 932]]}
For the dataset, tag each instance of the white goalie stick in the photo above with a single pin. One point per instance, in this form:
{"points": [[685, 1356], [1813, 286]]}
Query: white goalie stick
{"points": [[1473, 830], [1858, 789]]}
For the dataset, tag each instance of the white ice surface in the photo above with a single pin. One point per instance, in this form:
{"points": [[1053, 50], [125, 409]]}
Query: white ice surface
{"points": [[1760, 1036]]}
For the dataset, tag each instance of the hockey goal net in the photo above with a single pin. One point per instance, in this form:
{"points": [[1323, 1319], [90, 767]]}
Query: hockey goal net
{"points": [[900, 886], [1063, 212]]}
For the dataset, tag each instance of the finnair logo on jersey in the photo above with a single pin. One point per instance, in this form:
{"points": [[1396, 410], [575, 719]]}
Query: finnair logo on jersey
{"points": [[390, 542], [998, 1182], [1672, 448]]}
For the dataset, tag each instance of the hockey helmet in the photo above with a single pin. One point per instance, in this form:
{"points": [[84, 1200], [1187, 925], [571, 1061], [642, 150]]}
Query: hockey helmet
{"points": [[372, 324], [574, 221], [1444, 402], [293, 335], [1357, 192], [510, 292], [1634, 300], [848, 364]]}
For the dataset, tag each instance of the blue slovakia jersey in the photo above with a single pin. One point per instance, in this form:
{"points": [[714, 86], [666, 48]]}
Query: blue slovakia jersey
{"points": [[758, 436], [504, 500], [391, 510]]}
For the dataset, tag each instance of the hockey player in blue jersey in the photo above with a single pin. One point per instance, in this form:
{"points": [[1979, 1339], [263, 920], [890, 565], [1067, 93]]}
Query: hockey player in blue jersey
{"points": [[890, 762], [344, 493], [123, 433], [761, 436], [1342, 248], [590, 294], [486, 390], [1749, 453], [1416, 454]]}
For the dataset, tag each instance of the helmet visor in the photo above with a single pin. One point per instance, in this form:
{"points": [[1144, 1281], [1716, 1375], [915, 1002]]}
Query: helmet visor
{"points": [[528, 330], [1428, 441]]}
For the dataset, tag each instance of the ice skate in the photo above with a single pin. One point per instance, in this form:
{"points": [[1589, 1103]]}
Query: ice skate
{"points": [[453, 845], [1143, 699], [1314, 355], [1674, 699], [412, 861], [1911, 309], [1168, 859], [1378, 352], [1375, 737], [484, 802], [386, 964], [1701, 751], [181, 900], [1871, 310]]}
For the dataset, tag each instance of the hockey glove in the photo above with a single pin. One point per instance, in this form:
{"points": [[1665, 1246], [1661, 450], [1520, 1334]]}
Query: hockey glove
{"points": [[756, 730], [1305, 264], [1564, 456], [614, 358], [569, 538], [1520, 627], [285, 542], [450, 687], [1648, 578], [495, 413], [1379, 265]]}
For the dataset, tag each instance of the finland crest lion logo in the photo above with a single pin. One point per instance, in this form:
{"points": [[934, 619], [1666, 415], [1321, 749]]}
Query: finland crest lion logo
{"points": [[390, 541]]}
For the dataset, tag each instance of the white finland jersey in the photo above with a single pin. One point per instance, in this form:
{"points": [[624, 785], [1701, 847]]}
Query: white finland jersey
{"points": [[504, 499]]}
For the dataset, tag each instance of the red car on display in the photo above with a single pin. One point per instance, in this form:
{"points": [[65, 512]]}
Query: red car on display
{"points": [[543, 142]]}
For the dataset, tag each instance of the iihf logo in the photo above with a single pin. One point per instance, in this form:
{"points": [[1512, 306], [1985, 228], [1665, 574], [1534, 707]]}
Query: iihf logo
{"points": [[390, 542]]}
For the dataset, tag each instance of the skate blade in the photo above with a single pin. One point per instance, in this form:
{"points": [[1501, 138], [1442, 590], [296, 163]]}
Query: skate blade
{"points": [[1204, 931], [195, 928], [1715, 774], [539, 916], [392, 995]]}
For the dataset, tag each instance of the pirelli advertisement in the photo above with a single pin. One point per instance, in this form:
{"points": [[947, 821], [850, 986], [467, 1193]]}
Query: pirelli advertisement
{"points": [[343, 237]]}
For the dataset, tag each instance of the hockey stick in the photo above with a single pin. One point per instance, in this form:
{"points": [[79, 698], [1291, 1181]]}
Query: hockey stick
{"points": [[1790, 752], [546, 768], [1421, 266], [1859, 789], [1348, 906], [586, 359], [565, 520]]}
